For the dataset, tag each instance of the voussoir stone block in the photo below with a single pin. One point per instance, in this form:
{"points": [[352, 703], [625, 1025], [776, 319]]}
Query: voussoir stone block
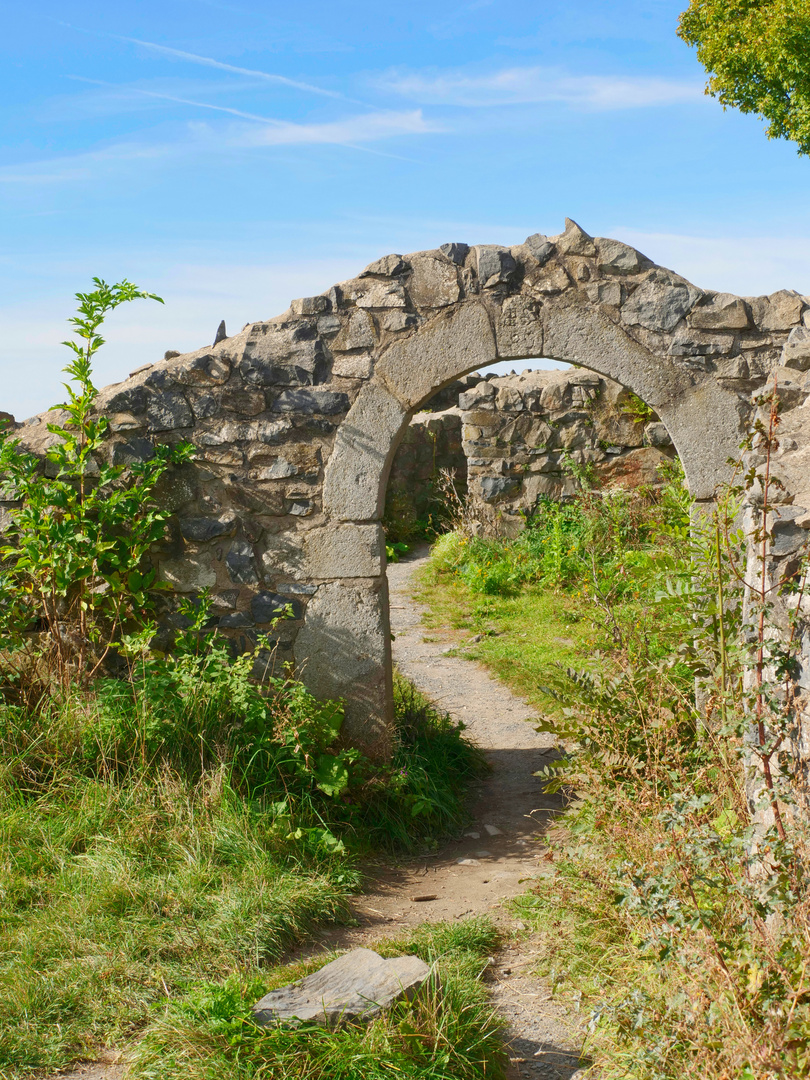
{"points": [[444, 349], [355, 476], [519, 329], [357, 986], [781, 310], [345, 551]]}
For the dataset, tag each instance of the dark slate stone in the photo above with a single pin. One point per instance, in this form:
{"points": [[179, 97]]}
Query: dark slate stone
{"points": [[240, 564], [456, 252], [205, 406], [295, 588], [134, 399], [307, 365], [328, 402], [202, 529], [494, 265], [540, 247], [166, 412], [221, 333], [266, 606], [235, 620], [135, 450], [787, 536], [492, 487]]}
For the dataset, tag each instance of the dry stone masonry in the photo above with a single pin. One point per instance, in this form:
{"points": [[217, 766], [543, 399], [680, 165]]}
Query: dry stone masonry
{"points": [[296, 421]]}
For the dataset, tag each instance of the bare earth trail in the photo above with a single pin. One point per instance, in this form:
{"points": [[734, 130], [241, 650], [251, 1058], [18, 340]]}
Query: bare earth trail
{"points": [[544, 1035]]}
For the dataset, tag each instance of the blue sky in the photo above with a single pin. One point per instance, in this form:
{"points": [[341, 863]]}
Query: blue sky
{"points": [[232, 156]]}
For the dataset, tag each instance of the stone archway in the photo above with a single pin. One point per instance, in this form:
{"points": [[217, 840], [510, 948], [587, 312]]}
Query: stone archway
{"points": [[296, 421]]}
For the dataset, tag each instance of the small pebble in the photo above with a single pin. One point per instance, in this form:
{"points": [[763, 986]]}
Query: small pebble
{"points": [[473, 835], [467, 862], [423, 898], [482, 854], [493, 830]]}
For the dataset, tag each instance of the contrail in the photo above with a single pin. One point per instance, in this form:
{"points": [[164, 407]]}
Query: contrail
{"points": [[208, 61]]}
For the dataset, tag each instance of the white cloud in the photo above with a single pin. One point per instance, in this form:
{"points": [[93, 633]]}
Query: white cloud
{"points": [[537, 85], [351, 132], [367, 127]]}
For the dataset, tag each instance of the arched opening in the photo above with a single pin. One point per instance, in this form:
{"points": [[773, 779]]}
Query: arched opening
{"points": [[451, 345]]}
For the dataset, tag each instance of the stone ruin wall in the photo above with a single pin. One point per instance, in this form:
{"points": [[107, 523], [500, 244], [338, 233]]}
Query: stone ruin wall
{"points": [[508, 441], [296, 420]]}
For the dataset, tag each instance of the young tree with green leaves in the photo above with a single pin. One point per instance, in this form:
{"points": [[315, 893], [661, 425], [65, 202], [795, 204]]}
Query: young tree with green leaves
{"points": [[757, 53], [73, 569]]}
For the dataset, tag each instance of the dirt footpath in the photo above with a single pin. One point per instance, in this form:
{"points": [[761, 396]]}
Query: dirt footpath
{"points": [[502, 849]]}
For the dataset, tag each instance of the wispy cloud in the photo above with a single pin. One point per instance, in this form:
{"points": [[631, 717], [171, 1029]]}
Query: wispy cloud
{"points": [[209, 61], [137, 91], [351, 131], [537, 85]]}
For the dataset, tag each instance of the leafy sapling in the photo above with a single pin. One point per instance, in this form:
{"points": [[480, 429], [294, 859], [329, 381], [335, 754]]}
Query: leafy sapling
{"points": [[74, 571]]}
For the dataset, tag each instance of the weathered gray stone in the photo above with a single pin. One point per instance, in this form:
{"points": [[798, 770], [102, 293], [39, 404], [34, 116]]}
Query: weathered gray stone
{"points": [[358, 333], [434, 283], [353, 366], [493, 264], [131, 399], [310, 305], [345, 551], [167, 412], [613, 257], [206, 369], [388, 266], [346, 642], [207, 528], [519, 329], [267, 606], [657, 435], [280, 469], [273, 356], [457, 253], [492, 487], [796, 351], [240, 563], [445, 348], [328, 402], [383, 294], [357, 986], [657, 305], [781, 310], [575, 241], [189, 574], [135, 450], [540, 247], [720, 312], [355, 475], [234, 620]]}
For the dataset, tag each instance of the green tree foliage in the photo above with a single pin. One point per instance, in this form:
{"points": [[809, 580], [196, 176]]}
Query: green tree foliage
{"points": [[757, 53]]}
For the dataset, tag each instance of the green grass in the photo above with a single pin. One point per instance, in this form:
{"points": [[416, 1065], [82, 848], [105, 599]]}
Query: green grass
{"points": [[449, 1032], [173, 836]]}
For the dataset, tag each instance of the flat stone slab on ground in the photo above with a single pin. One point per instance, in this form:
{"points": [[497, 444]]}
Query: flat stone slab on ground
{"points": [[356, 986]]}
